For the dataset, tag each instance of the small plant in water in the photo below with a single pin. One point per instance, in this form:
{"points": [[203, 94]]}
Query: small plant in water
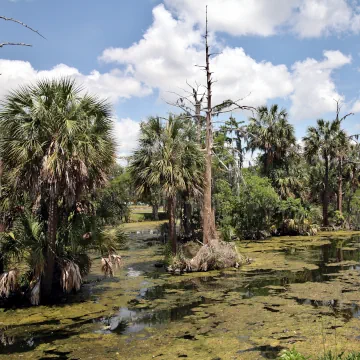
{"points": [[333, 356], [292, 355]]}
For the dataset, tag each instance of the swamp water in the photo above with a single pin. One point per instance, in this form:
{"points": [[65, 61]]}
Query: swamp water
{"points": [[298, 291]]}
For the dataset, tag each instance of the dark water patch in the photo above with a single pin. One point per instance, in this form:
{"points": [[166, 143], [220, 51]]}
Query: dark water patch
{"points": [[55, 354], [130, 321], [267, 351], [15, 344], [334, 306]]}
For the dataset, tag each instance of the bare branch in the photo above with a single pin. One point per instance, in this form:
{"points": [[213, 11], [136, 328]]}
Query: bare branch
{"points": [[344, 117], [215, 53], [22, 24], [13, 44]]}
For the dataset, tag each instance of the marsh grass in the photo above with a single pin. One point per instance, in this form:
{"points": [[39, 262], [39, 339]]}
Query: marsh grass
{"points": [[293, 354]]}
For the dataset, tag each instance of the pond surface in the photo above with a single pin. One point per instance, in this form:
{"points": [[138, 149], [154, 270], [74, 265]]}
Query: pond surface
{"points": [[297, 291]]}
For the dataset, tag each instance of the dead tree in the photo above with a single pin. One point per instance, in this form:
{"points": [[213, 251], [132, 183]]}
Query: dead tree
{"points": [[191, 104], [341, 154]]}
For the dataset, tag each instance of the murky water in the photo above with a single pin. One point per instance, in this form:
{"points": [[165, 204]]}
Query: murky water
{"points": [[297, 291]]}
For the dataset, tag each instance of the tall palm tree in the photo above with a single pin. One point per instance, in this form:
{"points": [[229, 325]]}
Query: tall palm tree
{"points": [[322, 143], [169, 157], [271, 133], [56, 144]]}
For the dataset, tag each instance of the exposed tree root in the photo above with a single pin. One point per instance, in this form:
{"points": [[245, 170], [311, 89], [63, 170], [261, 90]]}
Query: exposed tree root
{"points": [[215, 255]]}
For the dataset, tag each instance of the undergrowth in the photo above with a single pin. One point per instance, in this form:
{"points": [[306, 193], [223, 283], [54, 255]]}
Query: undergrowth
{"points": [[293, 354]]}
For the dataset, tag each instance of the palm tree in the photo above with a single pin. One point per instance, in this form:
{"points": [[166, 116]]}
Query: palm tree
{"points": [[56, 144], [168, 157], [271, 133], [322, 143]]}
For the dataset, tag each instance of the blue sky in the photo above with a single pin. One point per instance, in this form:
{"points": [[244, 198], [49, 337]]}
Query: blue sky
{"points": [[302, 54]]}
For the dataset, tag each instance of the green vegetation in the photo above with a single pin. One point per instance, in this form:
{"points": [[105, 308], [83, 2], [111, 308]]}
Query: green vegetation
{"points": [[294, 355]]}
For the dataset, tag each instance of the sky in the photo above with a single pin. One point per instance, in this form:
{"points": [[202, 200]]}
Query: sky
{"points": [[300, 54]]}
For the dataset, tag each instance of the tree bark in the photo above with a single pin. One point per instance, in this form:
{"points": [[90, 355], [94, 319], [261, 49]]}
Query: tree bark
{"points": [[198, 118], [155, 212], [187, 217], [326, 193], [340, 181], [48, 275], [208, 214], [172, 223]]}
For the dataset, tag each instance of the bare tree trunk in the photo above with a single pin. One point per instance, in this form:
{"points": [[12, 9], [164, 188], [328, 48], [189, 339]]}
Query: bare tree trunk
{"points": [[326, 193], [155, 212], [208, 214], [198, 118], [340, 181], [47, 277], [172, 223]]}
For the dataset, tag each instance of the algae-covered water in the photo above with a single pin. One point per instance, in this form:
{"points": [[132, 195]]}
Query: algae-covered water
{"points": [[298, 291]]}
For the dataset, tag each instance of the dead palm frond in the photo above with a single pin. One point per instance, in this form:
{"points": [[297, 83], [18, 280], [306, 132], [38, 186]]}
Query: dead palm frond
{"points": [[70, 277], [109, 264], [106, 267], [8, 283]]}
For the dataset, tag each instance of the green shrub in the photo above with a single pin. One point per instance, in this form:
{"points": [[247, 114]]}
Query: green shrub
{"points": [[292, 355]]}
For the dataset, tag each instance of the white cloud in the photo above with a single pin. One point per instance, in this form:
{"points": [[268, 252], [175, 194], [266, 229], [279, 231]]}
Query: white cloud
{"points": [[236, 17], [314, 90], [126, 133], [306, 18], [170, 49], [356, 107], [321, 17], [114, 85]]}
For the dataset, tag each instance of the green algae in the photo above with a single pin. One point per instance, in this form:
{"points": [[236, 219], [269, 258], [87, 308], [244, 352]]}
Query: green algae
{"points": [[251, 313]]}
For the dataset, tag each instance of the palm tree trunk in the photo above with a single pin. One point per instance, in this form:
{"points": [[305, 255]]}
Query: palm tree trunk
{"points": [[172, 223], [47, 277], [187, 217], [155, 212], [340, 180], [326, 193]]}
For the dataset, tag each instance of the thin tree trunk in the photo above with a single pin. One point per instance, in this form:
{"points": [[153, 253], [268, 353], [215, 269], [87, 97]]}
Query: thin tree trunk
{"points": [[187, 217], [208, 214], [326, 193], [155, 212], [172, 223], [198, 118], [47, 277], [340, 181]]}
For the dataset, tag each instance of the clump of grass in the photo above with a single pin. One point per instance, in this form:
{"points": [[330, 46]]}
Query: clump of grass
{"points": [[293, 354], [333, 356]]}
